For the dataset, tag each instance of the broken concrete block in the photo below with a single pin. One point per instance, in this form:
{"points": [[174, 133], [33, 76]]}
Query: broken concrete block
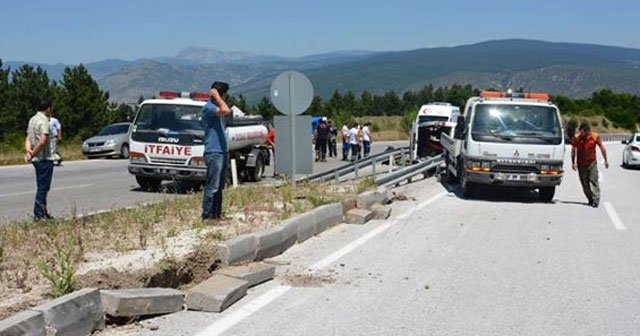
{"points": [[358, 216], [216, 294], [366, 199], [270, 243], [349, 203], [381, 211], [141, 301], [26, 323], [289, 232], [383, 195], [254, 273], [77, 313], [237, 250]]}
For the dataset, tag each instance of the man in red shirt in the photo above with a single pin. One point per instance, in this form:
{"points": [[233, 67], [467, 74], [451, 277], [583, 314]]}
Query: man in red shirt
{"points": [[584, 145], [270, 140]]}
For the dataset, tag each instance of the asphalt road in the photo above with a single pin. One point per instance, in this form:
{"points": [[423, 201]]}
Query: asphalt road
{"points": [[502, 264], [83, 187]]}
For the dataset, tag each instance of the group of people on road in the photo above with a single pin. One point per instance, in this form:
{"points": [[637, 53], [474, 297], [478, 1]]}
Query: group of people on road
{"points": [[356, 140]]}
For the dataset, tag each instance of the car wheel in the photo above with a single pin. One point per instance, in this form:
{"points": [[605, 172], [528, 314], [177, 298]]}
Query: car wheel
{"points": [[124, 151]]}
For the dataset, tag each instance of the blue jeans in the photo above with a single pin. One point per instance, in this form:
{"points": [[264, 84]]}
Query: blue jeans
{"points": [[217, 165], [44, 175], [367, 147]]}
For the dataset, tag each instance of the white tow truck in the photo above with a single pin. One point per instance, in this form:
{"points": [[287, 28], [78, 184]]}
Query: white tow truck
{"points": [[507, 139], [432, 120], [167, 141]]}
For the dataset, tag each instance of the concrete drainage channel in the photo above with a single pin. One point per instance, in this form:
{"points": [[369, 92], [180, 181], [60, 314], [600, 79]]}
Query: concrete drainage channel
{"points": [[87, 310]]}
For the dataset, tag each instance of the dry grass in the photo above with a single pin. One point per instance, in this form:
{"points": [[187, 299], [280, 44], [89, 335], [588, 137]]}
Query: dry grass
{"points": [[13, 154], [49, 253], [600, 124]]}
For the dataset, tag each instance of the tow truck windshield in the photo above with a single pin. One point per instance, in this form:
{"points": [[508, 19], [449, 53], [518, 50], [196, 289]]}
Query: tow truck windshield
{"points": [[531, 124]]}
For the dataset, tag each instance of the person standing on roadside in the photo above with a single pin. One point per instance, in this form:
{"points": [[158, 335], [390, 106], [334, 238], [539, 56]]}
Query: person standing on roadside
{"points": [[366, 138], [354, 143], [216, 154], [56, 136], [333, 136], [345, 142], [270, 140], [583, 147], [37, 146], [322, 139]]}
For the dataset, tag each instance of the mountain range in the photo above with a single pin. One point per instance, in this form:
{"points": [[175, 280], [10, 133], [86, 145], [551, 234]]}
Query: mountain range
{"points": [[570, 69]]}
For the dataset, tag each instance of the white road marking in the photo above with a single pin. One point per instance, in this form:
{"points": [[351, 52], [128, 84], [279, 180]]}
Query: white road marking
{"points": [[614, 217], [53, 189], [220, 326]]}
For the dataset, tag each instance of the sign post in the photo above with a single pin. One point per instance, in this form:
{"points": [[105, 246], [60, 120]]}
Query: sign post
{"points": [[292, 93]]}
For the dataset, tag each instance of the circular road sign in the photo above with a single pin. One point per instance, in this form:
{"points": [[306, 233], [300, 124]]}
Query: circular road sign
{"points": [[291, 93]]}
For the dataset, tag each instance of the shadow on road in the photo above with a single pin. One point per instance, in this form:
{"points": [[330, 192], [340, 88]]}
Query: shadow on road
{"points": [[496, 194]]}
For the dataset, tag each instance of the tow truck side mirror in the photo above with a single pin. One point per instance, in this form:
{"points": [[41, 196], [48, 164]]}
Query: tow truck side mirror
{"points": [[624, 142], [461, 128]]}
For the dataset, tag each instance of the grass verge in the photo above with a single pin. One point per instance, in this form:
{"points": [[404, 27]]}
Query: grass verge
{"points": [[48, 259]]}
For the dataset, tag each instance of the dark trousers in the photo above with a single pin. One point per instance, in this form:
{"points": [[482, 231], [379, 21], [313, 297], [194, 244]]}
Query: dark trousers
{"points": [[367, 147], [355, 152], [322, 148], [589, 180], [217, 165], [333, 150], [44, 175]]}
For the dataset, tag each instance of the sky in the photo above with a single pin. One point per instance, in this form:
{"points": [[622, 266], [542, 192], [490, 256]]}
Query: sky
{"points": [[83, 31]]}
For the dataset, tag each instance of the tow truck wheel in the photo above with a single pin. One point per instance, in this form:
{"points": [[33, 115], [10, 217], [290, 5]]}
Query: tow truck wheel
{"points": [[546, 194], [255, 173], [148, 183], [467, 188]]}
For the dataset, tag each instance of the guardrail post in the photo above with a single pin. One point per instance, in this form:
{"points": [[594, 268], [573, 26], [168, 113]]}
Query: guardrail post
{"points": [[391, 159], [374, 161], [234, 173], [356, 164], [337, 176], [402, 161]]}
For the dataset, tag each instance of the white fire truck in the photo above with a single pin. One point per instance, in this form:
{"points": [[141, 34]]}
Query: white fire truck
{"points": [[507, 139], [167, 141], [432, 120]]}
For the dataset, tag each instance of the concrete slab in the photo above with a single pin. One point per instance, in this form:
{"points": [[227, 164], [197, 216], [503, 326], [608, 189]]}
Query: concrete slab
{"points": [[381, 211], [358, 216], [270, 243], [289, 232], [77, 313], [328, 216], [383, 195], [254, 273], [366, 199], [349, 203], [216, 294], [238, 250], [306, 226], [26, 323], [142, 301]]}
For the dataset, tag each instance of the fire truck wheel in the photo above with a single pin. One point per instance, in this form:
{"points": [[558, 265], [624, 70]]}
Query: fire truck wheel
{"points": [[148, 183]]}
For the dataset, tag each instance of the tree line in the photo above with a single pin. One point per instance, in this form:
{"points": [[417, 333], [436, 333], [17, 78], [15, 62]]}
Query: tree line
{"points": [[78, 102], [84, 108]]}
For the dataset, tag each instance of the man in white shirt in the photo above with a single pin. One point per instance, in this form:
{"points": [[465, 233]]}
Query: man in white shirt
{"points": [[366, 138], [353, 142], [345, 142], [56, 136]]}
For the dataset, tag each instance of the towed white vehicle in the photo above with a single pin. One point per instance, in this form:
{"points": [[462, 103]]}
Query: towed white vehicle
{"points": [[507, 139]]}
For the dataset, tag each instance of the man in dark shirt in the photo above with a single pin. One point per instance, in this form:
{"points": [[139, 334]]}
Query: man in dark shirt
{"points": [[216, 153], [322, 138]]}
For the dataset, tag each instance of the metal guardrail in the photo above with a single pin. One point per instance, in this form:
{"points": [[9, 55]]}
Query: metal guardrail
{"points": [[354, 167], [410, 171], [615, 137]]}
